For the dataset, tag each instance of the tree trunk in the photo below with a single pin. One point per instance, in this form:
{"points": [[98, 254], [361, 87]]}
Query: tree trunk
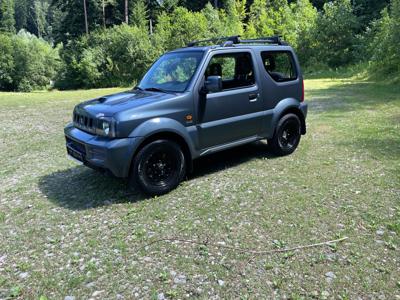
{"points": [[104, 13], [216, 3], [126, 11], [151, 26], [86, 20]]}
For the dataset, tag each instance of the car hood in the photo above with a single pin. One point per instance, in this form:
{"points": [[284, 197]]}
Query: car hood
{"points": [[112, 104]]}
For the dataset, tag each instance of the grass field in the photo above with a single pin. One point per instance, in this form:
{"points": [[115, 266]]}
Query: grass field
{"points": [[66, 230]]}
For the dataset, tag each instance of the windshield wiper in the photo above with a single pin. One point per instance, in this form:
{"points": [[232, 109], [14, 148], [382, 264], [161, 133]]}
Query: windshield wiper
{"points": [[154, 89], [138, 88]]}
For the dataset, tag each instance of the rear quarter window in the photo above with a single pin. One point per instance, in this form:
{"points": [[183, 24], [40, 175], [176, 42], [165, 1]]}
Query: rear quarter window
{"points": [[279, 65]]}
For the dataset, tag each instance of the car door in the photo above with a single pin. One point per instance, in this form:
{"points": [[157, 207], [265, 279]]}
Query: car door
{"points": [[235, 112]]}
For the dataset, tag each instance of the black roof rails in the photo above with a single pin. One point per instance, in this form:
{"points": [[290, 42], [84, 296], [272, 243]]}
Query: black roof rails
{"points": [[276, 39], [235, 39]]}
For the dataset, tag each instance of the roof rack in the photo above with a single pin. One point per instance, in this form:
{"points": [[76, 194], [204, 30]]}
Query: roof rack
{"points": [[235, 39]]}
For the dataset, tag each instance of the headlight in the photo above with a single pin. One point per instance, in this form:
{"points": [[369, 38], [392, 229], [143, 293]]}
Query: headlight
{"points": [[106, 127]]}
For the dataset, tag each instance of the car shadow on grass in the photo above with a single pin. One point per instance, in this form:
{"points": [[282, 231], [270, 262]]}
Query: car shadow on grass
{"points": [[80, 188], [229, 158]]}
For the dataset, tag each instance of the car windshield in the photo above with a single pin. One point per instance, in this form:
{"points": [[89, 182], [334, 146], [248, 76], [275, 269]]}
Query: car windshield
{"points": [[172, 72]]}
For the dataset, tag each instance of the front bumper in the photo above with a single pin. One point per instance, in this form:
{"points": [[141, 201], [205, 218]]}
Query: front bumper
{"points": [[114, 155]]}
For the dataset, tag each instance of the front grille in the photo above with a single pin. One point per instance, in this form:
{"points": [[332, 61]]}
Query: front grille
{"points": [[84, 123], [76, 145]]}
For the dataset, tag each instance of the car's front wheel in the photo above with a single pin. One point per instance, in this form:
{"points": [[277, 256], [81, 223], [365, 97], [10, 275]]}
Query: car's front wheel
{"points": [[159, 167], [287, 135]]}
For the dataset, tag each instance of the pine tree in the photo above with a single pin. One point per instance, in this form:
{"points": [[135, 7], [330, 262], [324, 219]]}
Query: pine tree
{"points": [[7, 16], [39, 16], [139, 13], [21, 14]]}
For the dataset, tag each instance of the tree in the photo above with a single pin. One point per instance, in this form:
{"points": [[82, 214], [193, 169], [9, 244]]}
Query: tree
{"points": [[39, 17], [236, 13], [26, 62], [6, 62], [305, 15], [215, 21], [113, 57], [126, 11], [196, 5], [368, 10], [179, 27], [272, 17], [384, 45], [106, 4], [139, 14], [335, 33], [21, 14], [70, 18], [7, 19]]}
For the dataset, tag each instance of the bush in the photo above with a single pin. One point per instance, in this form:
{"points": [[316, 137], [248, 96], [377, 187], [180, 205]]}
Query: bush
{"points": [[306, 17], [26, 62], [6, 62], [335, 34], [118, 56], [174, 30], [385, 55]]}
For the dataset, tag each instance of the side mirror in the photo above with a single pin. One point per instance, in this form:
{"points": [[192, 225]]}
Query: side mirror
{"points": [[213, 84]]}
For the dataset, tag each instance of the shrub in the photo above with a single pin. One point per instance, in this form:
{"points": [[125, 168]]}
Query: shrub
{"points": [[113, 57], [335, 34], [177, 28], [383, 48], [6, 62], [26, 62], [305, 20]]}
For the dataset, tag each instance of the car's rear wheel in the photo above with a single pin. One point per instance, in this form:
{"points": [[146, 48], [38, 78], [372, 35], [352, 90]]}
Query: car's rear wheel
{"points": [[287, 135], [159, 167]]}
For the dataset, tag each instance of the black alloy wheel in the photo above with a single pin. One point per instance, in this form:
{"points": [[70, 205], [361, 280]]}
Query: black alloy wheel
{"points": [[287, 135], [159, 167]]}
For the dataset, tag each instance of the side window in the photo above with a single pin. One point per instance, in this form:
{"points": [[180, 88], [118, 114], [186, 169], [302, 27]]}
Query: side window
{"points": [[235, 69], [280, 65]]}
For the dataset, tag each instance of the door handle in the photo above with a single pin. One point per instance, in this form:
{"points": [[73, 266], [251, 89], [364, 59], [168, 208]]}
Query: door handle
{"points": [[253, 97]]}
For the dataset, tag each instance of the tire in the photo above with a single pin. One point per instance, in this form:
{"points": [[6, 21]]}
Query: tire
{"points": [[158, 167], [287, 135]]}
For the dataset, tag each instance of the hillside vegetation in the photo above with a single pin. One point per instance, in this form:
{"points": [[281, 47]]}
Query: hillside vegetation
{"points": [[124, 37]]}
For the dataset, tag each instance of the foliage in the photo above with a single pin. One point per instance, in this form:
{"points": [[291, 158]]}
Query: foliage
{"points": [[326, 35], [270, 18], [40, 9], [385, 55], [227, 22], [6, 62], [368, 10], [306, 17], [7, 19], [26, 62], [139, 14], [112, 57], [334, 32], [177, 28]]}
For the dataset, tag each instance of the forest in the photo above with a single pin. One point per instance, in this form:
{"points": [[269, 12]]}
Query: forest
{"points": [[72, 44]]}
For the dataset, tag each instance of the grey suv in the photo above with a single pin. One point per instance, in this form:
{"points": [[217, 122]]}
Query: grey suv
{"points": [[192, 102]]}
